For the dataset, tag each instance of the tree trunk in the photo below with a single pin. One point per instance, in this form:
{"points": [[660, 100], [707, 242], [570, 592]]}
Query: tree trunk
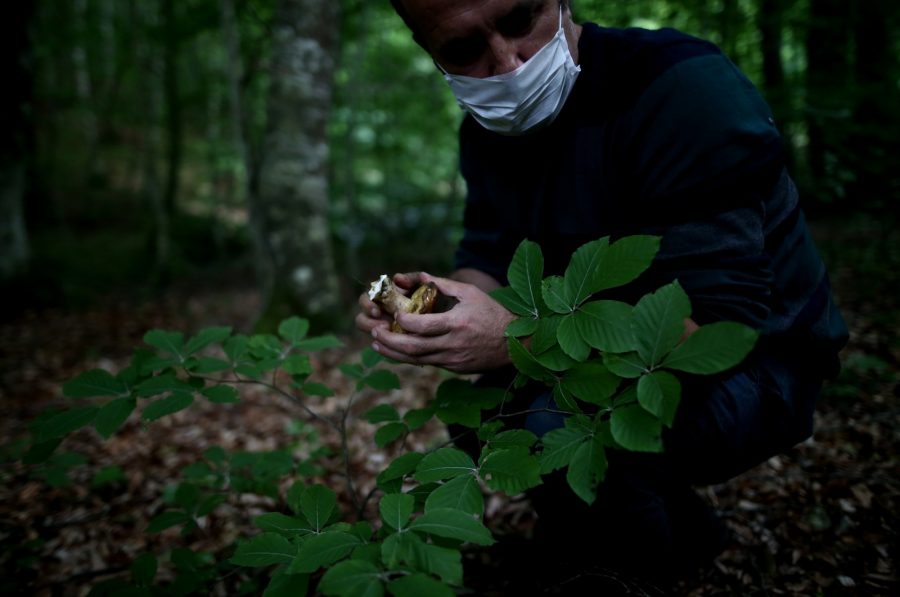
{"points": [[770, 22], [15, 128], [873, 144], [827, 83], [173, 106], [293, 186]]}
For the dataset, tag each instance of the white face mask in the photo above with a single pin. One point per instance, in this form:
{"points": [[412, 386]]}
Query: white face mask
{"points": [[525, 99]]}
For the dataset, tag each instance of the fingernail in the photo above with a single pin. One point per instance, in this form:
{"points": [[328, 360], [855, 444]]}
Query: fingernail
{"points": [[374, 333], [375, 313], [375, 347]]}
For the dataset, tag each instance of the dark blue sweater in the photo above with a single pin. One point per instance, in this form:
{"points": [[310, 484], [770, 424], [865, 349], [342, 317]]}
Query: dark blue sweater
{"points": [[661, 135]]}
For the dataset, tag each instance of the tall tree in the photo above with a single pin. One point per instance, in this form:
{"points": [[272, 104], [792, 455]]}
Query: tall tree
{"points": [[292, 201], [827, 83], [15, 129], [770, 22]]}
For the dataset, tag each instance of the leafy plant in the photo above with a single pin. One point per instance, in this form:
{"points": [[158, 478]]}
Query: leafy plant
{"points": [[612, 369]]}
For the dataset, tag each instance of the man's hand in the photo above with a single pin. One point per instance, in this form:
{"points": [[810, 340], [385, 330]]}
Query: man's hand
{"points": [[466, 339], [371, 315]]}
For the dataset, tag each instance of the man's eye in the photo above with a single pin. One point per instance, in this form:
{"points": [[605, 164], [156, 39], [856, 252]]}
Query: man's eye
{"points": [[518, 22], [461, 52]]}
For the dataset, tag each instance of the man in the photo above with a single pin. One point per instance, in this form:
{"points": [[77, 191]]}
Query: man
{"points": [[578, 132]]}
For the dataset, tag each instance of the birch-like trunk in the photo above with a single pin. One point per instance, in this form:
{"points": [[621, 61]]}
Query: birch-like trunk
{"points": [[293, 186]]}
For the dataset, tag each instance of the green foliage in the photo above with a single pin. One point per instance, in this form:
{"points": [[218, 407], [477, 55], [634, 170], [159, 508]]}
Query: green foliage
{"points": [[611, 366]]}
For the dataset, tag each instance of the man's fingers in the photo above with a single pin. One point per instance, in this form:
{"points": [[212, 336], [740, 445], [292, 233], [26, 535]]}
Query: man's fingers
{"points": [[447, 286], [368, 307], [408, 344], [428, 324]]}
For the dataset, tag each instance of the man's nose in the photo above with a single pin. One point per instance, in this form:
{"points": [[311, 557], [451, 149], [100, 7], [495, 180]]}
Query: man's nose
{"points": [[505, 55]]}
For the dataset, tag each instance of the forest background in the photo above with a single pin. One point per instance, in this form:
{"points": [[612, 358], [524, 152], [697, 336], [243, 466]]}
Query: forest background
{"points": [[172, 164]]}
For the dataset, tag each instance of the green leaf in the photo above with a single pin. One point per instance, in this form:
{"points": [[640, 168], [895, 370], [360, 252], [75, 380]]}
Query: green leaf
{"points": [[513, 438], [520, 327], [553, 289], [526, 363], [289, 526], [399, 468], [352, 370], [659, 393], [166, 406], [318, 343], [545, 335], [382, 380], [458, 401], [443, 464], [95, 382], [389, 433], [317, 389], [606, 325], [287, 585], [525, 272], [635, 429], [560, 446], [163, 384], [167, 519], [294, 495], [108, 475], [583, 271], [626, 259], [112, 415], [297, 364], [418, 417], [40, 451], [353, 577], [171, 342], [317, 504], [236, 347], [713, 348], [382, 413], [265, 549], [210, 503], [410, 548], [417, 585], [322, 550], [569, 337], [511, 471], [591, 382], [363, 530], [208, 365], [564, 399], [587, 469], [396, 508], [221, 394], [143, 569], [370, 358], [462, 493], [293, 329], [555, 359], [205, 337], [510, 299], [452, 524], [658, 322], [265, 346], [628, 365], [66, 422]]}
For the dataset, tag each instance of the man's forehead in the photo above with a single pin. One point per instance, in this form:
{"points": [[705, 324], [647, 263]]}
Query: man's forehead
{"points": [[440, 16]]}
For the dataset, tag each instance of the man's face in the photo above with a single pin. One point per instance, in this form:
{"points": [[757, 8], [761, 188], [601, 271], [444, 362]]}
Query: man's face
{"points": [[483, 38]]}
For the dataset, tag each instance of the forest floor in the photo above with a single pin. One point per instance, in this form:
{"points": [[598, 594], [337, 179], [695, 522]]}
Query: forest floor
{"points": [[819, 520]]}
